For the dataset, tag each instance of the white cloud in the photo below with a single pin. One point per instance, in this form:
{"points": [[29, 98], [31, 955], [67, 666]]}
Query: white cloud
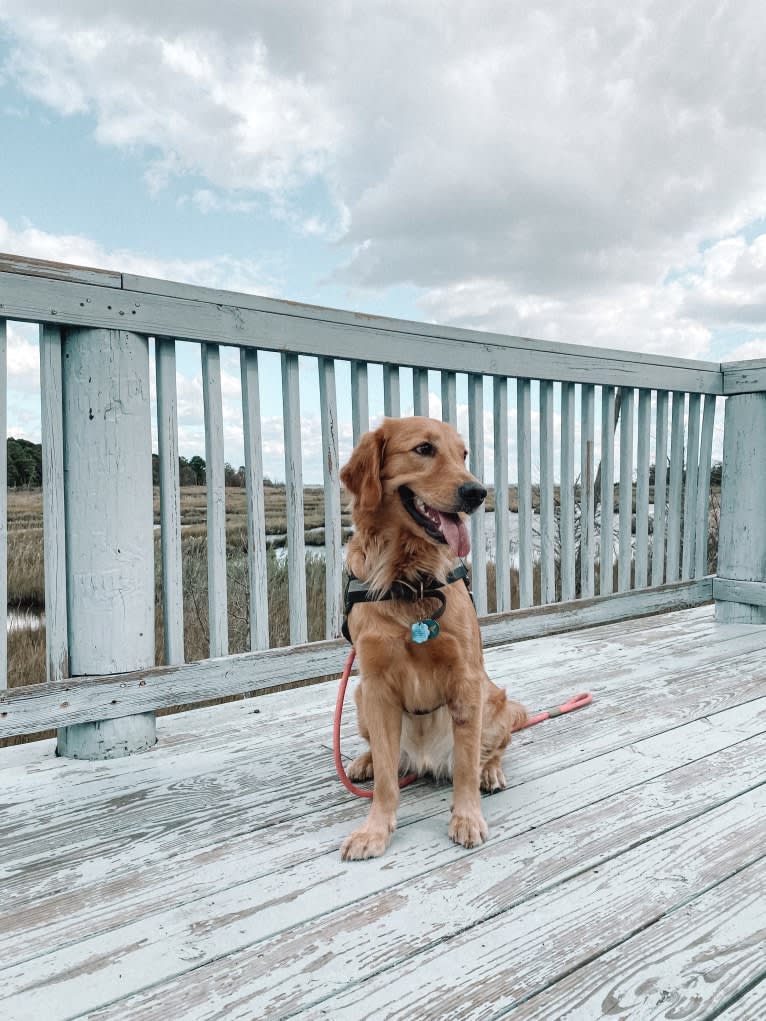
{"points": [[197, 93], [750, 349], [730, 287], [552, 169], [222, 271], [630, 317]]}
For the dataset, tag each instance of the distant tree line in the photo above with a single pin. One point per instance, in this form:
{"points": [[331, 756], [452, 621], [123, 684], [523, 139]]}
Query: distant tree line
{"points": [[192, 472], [25, 463], [715, 473], [25, 468]]}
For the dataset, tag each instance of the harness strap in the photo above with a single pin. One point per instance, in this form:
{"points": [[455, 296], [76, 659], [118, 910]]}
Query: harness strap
{"points": [[427, 587]]}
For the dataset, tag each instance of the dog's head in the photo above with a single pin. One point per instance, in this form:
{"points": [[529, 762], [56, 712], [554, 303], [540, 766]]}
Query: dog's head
{"points": [[412, 471]]}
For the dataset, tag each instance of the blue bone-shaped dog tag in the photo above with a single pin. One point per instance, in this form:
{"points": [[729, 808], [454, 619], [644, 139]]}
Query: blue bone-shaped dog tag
{"points": [[423, 630]]}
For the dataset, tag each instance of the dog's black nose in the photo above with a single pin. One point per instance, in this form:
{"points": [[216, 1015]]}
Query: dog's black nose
{"points": [[471, 495]]}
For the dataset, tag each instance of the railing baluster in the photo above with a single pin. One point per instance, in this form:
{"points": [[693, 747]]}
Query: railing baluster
{"points": [[606, 555], [502, 520], [547, 512], [332, 519], [52, 429], [296, 549], [642, 487], [587, 492], [449, 398], [626, 490], [360, 403], [566, 491], [391, 397], [524, 482], [170, 500], [256, 512], [676, 487], [690, 486], [216, 501], [703, 487], [4, 501], [420, 391], [660, 489], [476, 465]]}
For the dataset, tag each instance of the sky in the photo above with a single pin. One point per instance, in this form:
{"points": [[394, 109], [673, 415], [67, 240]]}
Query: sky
{"points": [[589, 173]]}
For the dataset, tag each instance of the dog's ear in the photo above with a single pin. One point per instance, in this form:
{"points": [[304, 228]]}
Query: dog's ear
{"points": [[361, 475]]}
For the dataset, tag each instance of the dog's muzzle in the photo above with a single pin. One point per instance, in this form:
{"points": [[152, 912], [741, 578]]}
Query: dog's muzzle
{"points": [[446, 526]]}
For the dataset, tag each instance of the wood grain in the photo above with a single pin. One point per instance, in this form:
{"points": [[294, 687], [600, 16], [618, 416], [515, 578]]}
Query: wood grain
{"points": [[687, 964]]}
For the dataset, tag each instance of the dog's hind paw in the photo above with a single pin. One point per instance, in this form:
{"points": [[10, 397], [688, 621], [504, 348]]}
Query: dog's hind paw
{"points": [[492, 779], [360, 768]]}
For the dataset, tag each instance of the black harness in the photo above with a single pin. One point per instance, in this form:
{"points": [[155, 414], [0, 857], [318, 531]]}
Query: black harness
{"points": [[425, 587]]}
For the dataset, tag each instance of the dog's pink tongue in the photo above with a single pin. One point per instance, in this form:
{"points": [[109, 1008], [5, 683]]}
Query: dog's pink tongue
{"points": [[455, 532]]}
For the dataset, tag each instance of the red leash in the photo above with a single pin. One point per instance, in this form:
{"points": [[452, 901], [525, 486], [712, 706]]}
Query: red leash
{"points": [[574, 703]]}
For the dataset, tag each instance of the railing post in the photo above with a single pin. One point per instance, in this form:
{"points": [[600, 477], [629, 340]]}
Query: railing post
{"points": [[109, 526], [740, 586]]}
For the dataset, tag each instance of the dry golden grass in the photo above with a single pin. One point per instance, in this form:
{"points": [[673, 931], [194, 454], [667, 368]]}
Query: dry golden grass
{"points": [[26, 573], [194, 507]]}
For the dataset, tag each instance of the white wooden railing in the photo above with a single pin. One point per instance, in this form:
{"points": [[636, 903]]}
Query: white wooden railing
{"points": [[95, 331]]}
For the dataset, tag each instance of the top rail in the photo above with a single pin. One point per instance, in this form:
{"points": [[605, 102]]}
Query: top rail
{"points": [[744, 377], [74, 296]]}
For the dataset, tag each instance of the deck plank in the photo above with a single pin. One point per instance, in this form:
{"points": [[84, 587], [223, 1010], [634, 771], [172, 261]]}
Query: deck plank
{"points": [[225, 870], [204, 878], [497, 966], [685, 965], [419, 946], [171, 798], [749, 1006]]}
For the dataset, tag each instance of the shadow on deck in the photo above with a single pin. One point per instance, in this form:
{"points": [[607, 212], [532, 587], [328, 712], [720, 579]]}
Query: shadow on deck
{"points": [[623, 878]]}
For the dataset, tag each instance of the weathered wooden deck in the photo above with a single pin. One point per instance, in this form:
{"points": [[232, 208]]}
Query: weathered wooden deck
{"points": [[624, 876]]}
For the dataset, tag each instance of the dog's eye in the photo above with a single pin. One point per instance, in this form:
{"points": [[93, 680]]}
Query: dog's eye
{"points": [[425, 450], [465, 455]]}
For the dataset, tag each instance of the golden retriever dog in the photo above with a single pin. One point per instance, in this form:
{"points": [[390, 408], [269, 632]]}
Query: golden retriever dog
{"points": [[424, 706]]}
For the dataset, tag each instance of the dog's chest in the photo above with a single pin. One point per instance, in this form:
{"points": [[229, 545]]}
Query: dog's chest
{"points": [[421, 695]]}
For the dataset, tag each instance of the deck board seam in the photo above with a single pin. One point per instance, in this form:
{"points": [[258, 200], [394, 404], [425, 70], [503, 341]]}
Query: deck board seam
{"points": [[607, 948], [529, 897], [433, 944], [732, 1000], [541, 891]]}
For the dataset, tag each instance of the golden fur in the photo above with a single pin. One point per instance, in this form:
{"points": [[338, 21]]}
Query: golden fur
{"points": [[427, 708]]}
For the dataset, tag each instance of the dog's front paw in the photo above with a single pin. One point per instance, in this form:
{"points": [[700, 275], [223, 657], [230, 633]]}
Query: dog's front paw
{"points": [[492, 779], [367, 842], [470, 830]]}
